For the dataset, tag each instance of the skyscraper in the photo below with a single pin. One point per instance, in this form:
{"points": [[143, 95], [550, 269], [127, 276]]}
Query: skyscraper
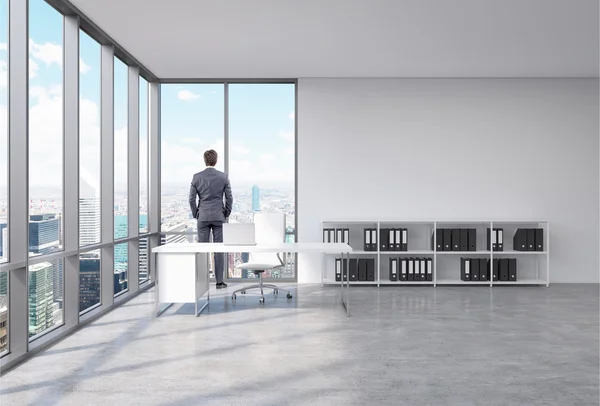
{"points": [[89, 281], [3, 240], [89, 208], [255, 198], [44, 237], [40, 298]]}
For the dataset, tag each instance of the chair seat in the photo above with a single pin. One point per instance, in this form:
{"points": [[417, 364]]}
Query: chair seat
{"points": [[258, 266]]}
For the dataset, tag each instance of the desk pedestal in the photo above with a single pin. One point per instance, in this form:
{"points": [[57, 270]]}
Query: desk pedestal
{"points": [[181, 278]]}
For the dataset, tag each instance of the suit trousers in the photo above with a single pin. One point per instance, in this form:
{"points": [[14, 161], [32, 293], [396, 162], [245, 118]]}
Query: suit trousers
{"points": [[204, 230]]}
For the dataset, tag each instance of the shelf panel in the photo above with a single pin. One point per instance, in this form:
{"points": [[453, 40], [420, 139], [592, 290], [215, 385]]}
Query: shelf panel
{"points": [[349, 222], [463, 252], [520, 252], [406, 252], [330, 282], [354, 253], [522, 282], [459, 282], [390, 283]]}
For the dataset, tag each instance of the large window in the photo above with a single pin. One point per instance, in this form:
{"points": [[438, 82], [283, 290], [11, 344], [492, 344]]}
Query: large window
{"points": [[3, 311], [89, 140], [45, 128], [144, 273], [261, 159], [121, 142], [144, 106], [89, 280], [192, 121], [3, 138], [45, 297]]}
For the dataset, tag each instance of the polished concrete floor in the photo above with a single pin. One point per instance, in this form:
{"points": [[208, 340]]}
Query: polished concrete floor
{"points": [[402, 345]]}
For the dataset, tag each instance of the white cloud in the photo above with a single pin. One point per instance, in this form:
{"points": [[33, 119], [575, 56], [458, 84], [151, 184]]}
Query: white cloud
{"points": [[3, 46], [3, 74], [187, 95], [288, 135], [238, 149], [33, 68], [288, 151], [83, 67], [50, 53], [292, 116]]}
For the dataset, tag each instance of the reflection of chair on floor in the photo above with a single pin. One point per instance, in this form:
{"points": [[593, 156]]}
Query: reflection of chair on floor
{"points": [[269, 229]]}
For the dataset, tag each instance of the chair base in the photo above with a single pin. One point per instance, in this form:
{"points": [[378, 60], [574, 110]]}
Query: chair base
{"points": [[261, 286]]}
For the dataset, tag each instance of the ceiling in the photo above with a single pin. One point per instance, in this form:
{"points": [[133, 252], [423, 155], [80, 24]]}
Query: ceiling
{"points": [[354, 38]]}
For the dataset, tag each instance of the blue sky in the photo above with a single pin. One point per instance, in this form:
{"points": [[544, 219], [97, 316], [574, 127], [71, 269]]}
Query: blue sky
{"points": [[261, 124]]}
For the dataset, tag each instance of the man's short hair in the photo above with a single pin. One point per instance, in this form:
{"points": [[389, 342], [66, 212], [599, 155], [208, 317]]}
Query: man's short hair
{"points": [[210, 157]]}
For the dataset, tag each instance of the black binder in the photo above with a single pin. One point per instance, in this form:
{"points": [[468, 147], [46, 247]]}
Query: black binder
{"points": [[492, 239], [370, 269], [499, 239], [495, 270], [429, 269], [539, 239], [391, 239], [439, 238], [345, 269], [398, 239], [411, 270], [456, 244], [367, 239], [374, 239], [531, 239], [464, 239], [338, 269], [474, 269], [512, 269], [447, 239], [383, 239], [353, 269], [339, 235], [465, 269], [393, 269], [520, 240], [362, 269], [472, 239], [423, 269], [484, 271], [403, 275], [503, 264], [404, 233]]}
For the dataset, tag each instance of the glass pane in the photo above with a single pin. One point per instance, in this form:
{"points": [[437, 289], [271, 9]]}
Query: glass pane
{"points": [[89, 280], [143, 155], [143, 260], [45, 296], [121, 176], [262, 160], [3, 311], [121, 273], [45, 128], [89, 140], [3, 139], [192, 121]]}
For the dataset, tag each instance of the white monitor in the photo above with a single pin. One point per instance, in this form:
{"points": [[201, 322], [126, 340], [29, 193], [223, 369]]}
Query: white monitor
{"points": [[239, 234]]}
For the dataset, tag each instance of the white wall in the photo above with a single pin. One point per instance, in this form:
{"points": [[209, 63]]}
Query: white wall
{"points": [[387, 149]]}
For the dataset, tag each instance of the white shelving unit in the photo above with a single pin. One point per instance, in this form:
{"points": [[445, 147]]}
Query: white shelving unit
{"points": [[533, 266]]}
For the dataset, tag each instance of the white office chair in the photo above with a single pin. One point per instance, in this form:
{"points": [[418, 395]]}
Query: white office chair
{"points": [[269, 229]]}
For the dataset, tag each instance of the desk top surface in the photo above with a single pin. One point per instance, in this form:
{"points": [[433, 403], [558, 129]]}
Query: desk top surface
{"points": [[317, 247]]}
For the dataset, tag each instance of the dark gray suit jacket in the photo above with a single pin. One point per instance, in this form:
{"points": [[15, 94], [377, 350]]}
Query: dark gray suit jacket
{"points": [[209, 186]]}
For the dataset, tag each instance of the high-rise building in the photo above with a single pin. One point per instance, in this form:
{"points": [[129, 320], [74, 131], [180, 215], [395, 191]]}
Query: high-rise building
{"points": [[3, 283], [255, 198], [143, 259], [119, 280], [44, 233], [89, 221], [89, 281], [41, 298], [167, 238]]}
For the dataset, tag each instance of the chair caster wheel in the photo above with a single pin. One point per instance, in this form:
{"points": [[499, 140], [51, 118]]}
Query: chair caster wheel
{"points": [[289, 295], [233, 297], [275, 291], [261, 300], [243, 292]]}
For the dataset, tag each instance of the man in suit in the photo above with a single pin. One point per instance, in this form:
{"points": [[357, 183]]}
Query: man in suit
{"points": [[209, 186]]}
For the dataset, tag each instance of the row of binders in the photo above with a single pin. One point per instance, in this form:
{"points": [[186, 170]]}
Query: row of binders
{"points": [[456, 239], [478, 269], [390, 239], [529, 239], [411, 269], [336, 235], [359, 269]]}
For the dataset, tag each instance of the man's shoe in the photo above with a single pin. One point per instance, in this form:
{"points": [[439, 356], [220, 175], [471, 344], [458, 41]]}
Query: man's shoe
{"points": [[221, 285]]}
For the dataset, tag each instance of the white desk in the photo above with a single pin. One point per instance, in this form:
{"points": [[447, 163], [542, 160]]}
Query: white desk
{"points": [[182, 269]]}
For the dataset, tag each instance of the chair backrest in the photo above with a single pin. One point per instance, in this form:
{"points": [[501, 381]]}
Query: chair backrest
{"points": [[269, 229]]}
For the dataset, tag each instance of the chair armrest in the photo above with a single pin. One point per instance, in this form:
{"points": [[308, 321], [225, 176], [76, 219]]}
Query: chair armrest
{"points": [[280, 260]]}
